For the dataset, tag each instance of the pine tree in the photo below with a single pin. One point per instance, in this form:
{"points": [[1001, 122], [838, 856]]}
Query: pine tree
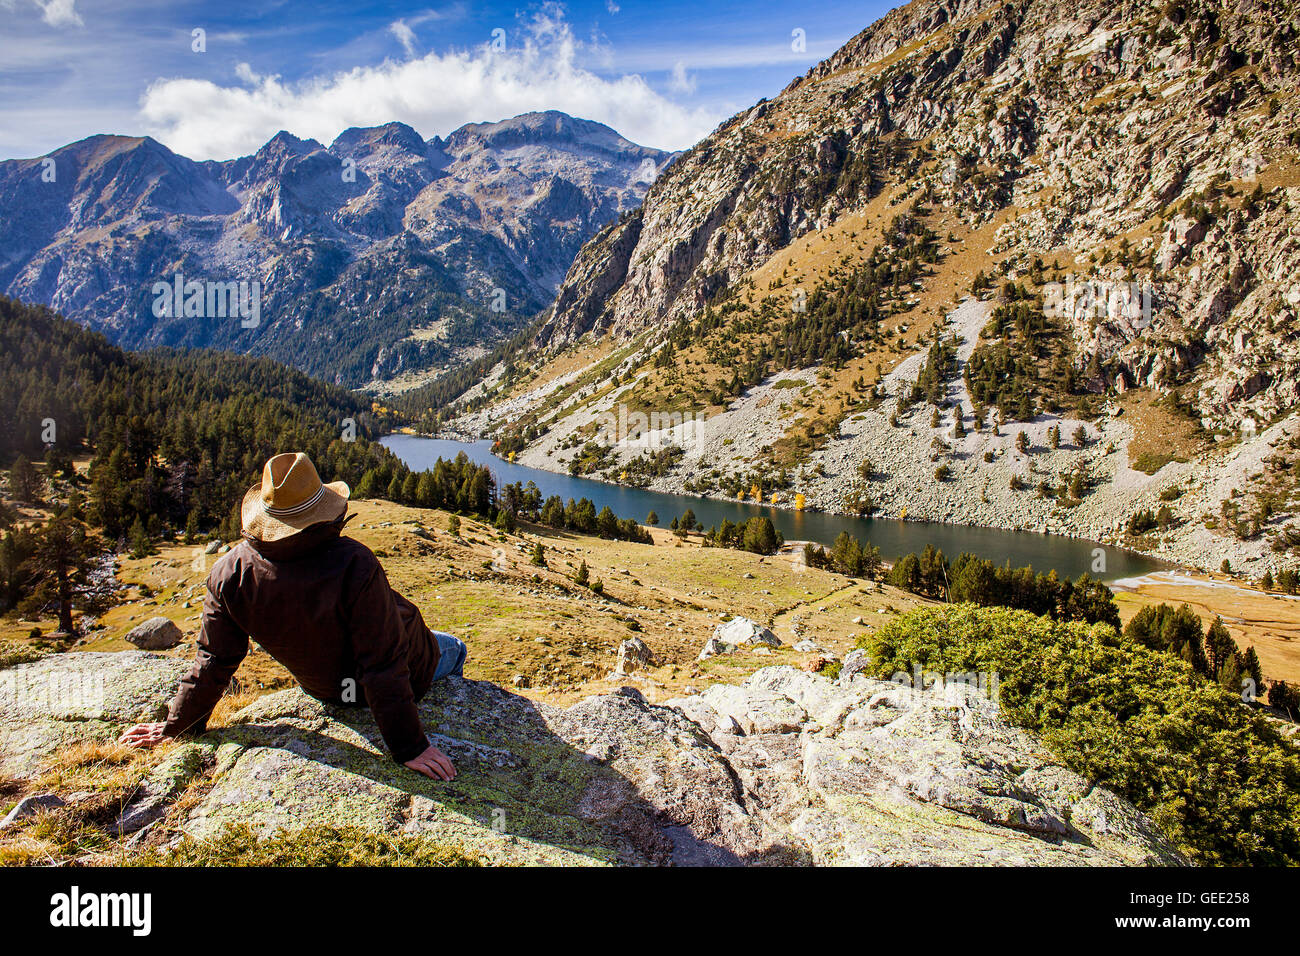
{"points": [[426, 493], [24, 482], [65, 552], [1250, 667], [760, 536], [1229, 676], [1076, 486], [846, 554], [141, 545], [1285, 698], [1219, 645], [553, 512], [368, 486], [607, 523]]}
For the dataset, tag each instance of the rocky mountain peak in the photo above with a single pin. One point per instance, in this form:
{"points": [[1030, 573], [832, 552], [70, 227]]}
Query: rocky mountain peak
{"points": [[550, 128], [361, 141]]}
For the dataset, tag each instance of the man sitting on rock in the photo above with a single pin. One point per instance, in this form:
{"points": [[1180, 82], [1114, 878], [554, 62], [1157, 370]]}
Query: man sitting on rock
{"points": [[320, 604]]}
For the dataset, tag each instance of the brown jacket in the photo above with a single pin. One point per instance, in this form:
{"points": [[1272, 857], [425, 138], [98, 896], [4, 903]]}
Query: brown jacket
{"points": [[320, 604]]}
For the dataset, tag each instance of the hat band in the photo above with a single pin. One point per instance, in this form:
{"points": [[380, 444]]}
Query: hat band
{"points": [[296, 509]]}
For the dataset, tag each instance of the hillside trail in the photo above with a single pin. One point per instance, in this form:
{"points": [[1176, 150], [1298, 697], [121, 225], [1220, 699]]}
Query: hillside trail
{"points": [[789, 619]]}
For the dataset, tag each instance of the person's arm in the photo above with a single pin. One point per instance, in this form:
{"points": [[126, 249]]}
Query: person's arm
{"points": [[379, 643], [223, 645]]}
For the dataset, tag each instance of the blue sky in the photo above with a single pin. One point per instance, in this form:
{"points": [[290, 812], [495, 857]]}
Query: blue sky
{"points": [[661, 73]]}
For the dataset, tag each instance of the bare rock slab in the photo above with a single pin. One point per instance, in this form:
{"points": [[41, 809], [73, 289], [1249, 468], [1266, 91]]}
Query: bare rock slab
{"points": [[787, 768], [77, 696]]}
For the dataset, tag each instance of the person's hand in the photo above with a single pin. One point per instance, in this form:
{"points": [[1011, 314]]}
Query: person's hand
{"points": [[143, 735], [433, 763]]}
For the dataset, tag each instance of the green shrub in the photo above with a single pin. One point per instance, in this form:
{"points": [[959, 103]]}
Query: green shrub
{"points": [[1216, 777], [1150, 462]]}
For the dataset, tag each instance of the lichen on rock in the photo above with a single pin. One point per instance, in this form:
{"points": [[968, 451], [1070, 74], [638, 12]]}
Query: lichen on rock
{"points": [[786, 768], [75, 697]]}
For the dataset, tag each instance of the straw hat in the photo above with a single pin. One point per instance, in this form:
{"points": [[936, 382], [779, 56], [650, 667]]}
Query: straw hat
{"points": [[290, 499]]}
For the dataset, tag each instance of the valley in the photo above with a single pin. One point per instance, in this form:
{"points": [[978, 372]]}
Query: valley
{"points": [[789, 282]]}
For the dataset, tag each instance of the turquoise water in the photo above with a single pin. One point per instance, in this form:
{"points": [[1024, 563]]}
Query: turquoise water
{"points": [[1043, 552]]}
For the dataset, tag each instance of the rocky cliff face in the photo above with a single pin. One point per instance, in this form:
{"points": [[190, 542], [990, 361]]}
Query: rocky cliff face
{"points": [[1097, 125], [380, 254], [788, 768]]}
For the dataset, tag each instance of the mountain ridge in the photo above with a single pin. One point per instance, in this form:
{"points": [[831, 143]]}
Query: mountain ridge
{"points": [[391, 253]]}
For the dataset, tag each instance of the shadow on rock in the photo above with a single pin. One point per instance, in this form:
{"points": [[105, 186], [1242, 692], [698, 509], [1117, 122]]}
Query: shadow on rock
{"points": [[612, 779]]}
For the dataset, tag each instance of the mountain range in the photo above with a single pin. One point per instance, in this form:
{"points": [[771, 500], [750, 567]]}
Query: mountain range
{"points": [[382, 255]]}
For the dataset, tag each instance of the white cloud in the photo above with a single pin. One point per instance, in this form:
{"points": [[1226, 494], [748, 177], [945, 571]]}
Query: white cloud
{"points": [[612, 7], [434, 93], [405, 35], [60, 13], [680, 81], [56, 13]]}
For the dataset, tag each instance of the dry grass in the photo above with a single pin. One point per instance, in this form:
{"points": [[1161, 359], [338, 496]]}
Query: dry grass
{"points": [[1159, 434], [568, 361], [98, 765], [98, 779], [1268, 622]]}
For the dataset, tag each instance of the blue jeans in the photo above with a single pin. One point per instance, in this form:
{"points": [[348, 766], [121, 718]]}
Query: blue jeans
{"points": [[452, 653]]}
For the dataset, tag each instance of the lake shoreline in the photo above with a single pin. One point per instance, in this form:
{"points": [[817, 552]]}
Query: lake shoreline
{"points": [[1135, 561]]}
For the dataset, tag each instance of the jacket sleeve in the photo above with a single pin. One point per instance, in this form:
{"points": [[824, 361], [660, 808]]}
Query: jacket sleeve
{"points": [[379, 643], [222, 646]]}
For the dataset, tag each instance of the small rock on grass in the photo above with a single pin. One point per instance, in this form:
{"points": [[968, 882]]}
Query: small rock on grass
{"points": [[30, 806], [741, 630], [155, 634], [633, 655]]}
